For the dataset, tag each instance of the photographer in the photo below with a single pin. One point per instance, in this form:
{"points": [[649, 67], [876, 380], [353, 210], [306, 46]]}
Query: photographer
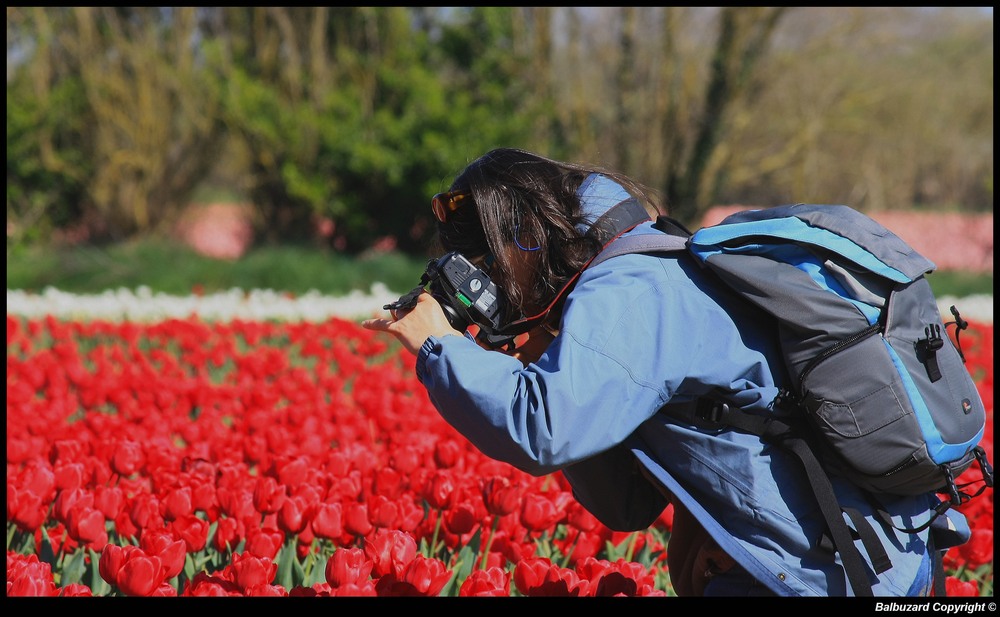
{"points": [[607, 348]]}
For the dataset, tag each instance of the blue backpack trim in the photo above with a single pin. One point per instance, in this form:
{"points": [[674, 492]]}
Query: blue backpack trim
{"points": [[710, 240]]}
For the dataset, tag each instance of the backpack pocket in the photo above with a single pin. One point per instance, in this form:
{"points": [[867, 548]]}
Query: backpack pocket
{"points": [[858, 402]]}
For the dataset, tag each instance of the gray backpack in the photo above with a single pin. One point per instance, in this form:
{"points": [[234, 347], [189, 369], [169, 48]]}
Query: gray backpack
{"points": [[880, 392]]}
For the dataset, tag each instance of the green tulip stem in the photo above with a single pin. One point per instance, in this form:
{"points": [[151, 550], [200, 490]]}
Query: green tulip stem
{"points": [[489, 542]]}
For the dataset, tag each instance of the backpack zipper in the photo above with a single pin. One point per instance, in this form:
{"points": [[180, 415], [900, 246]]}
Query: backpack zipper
{"points": [[836, 347]]}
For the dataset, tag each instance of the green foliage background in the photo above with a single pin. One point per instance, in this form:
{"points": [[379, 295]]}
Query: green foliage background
{"points": [[118, 116]]}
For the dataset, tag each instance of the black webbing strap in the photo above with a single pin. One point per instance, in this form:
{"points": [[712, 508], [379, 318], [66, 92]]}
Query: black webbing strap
{"points": [[619, 218], [778, 431], [854, 565], [940, 590]]}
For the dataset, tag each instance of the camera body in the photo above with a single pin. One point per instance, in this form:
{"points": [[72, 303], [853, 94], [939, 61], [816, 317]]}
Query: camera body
{"points": [[466, 294]]}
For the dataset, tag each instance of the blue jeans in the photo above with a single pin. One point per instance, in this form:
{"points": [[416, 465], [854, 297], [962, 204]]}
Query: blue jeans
{"points": [[736, 582]]}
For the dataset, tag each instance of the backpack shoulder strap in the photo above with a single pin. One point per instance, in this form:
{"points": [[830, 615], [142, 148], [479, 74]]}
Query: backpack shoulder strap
{"points": [[674, 238]]}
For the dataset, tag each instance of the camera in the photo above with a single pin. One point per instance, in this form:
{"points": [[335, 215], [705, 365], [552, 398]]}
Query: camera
{"points": [[466, 295]]}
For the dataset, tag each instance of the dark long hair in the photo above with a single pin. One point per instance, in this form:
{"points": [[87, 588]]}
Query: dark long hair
{"points": [[518, 195]]}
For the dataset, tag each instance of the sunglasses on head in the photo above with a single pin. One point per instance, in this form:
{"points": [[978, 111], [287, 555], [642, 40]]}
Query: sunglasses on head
{"points": [[443, 204]]}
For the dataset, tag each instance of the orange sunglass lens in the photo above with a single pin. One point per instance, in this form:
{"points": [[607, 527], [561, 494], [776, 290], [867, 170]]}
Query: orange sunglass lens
{"points": [[444, 203]]}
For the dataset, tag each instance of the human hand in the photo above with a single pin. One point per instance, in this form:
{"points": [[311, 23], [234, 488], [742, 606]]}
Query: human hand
{"points": [[412, 327]]}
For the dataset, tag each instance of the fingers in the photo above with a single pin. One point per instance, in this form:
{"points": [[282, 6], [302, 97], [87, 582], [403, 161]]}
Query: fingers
{"points": [[379, 323]]}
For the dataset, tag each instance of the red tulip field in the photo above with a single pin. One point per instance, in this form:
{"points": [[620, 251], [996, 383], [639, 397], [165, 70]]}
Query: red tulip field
{"points": [[186, 457]]}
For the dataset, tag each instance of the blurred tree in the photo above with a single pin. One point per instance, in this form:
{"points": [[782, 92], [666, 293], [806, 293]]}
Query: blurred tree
{"points": [[692, 181], [48, 164], [350, 114], [356, 115], [133, 140]]}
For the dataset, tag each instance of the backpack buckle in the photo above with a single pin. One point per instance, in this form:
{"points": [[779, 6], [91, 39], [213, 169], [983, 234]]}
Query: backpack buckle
{"points": [[927, 349], [709, 413]]}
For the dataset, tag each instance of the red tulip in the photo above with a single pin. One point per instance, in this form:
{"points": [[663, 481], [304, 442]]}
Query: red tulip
{"points": [[69, 475], [979, 549], [621, 578], [955, 587], [250, 571], [447, 453], [68, 499], [25, 509], [264, 542], [347, 566], [390, 551], [384, 513], [87, 526], [140, 574], [112, 558], [405, 460], [109, 500], [177, 503], [461, 519], [439, 489], [38, 478], [165, 590], [538, 513], [145, 512], [492, 582], [265, 591], [409, 515], [27, 576], [76, 590], [228, 534], [328, 521], [294, 472], [208, 585], [388, 483], [294, 515], [500, 497], [192, 530], [356, 519], [162, 544], [363, 589], [538, 576], [268, 496], [422, 576], [203, 496], [128, 458]]}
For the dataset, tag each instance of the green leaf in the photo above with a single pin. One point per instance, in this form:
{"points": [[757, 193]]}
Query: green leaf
{"points": [[190, 569], [73, 570], [298, 569], [46, 553], [285, 558], [98, 586]]}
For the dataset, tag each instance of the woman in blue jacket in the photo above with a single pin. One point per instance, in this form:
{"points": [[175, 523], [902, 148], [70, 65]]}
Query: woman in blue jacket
{"points": [[611, 345]]}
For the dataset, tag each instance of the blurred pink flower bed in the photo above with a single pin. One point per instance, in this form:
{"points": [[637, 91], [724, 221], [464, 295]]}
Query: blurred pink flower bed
{"points": [[952, 240]]}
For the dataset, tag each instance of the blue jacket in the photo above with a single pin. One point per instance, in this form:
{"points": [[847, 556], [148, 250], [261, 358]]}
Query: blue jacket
{"points": [[639, 331]]}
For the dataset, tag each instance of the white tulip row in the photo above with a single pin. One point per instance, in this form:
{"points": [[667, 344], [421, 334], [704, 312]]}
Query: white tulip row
{"points": [[264, 304], [143, 305]]}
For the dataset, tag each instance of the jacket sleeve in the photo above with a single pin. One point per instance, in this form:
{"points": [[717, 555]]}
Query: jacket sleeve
{"points": [[600, 379]]}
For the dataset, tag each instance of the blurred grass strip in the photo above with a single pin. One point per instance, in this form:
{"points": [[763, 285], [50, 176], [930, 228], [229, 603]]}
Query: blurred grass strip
{"points": [[175, 269]]}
